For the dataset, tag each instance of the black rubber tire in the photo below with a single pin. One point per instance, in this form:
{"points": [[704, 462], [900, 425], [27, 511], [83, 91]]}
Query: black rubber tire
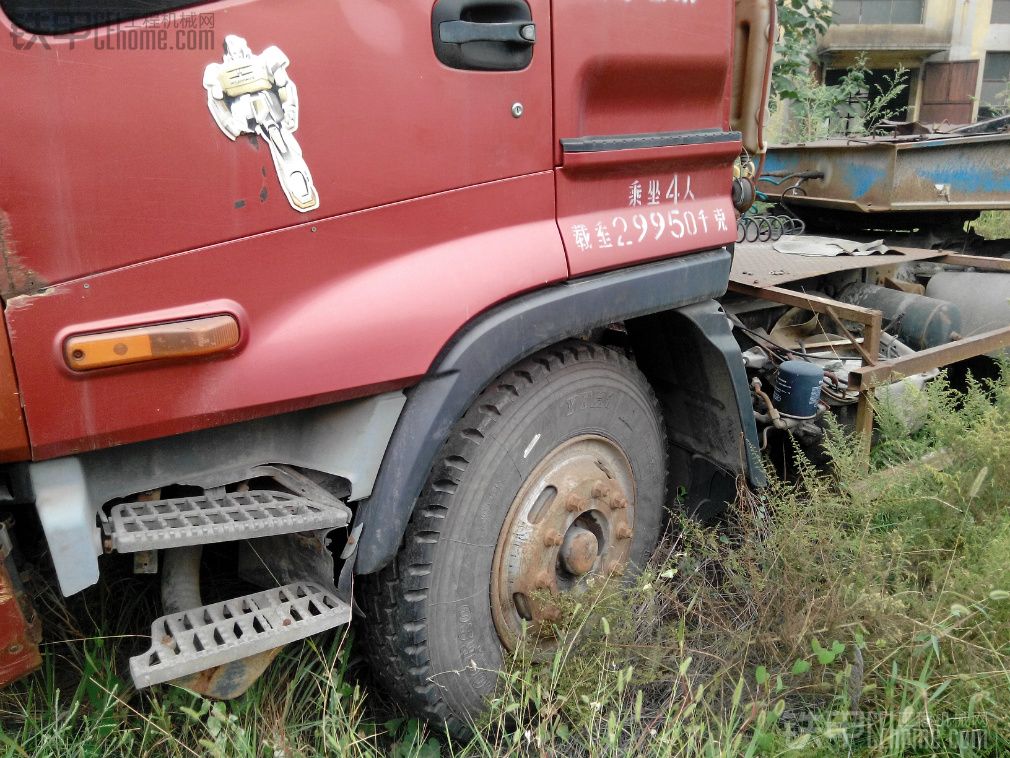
{"points": [[427, 619]]}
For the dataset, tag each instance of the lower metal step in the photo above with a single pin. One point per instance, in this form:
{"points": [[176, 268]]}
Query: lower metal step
{"points": [[158, 524], [202, 638]]}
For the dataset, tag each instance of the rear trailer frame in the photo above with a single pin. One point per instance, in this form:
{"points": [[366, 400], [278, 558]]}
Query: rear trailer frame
{"points": [[750, 262]]}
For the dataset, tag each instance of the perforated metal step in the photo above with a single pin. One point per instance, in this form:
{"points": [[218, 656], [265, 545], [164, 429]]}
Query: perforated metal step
{"points": [[157, 524], [202, 638]]}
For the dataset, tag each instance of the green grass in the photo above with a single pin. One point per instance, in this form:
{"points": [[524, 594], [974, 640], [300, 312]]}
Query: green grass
{"points": [[845, 613], [992, 225]]}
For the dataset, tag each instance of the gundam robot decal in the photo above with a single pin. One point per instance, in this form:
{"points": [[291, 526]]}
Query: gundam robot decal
{"points": [[252, 94]]}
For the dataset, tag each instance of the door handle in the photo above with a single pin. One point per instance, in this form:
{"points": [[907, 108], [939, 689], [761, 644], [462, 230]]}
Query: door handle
{"points": [[483, 35], [461, 32]]}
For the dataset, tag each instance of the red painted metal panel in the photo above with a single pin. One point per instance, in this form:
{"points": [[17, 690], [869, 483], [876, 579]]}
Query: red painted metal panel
{"points": [[13, 433], [642, 67], [112, 157], [621, 207], [328, 310], [119, 189]]}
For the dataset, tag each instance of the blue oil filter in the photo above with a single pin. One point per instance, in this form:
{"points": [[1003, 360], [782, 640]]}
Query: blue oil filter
{"points": [[798, 389]]}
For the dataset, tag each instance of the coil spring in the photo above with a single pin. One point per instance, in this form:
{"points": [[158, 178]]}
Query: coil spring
{"points": [[755, 227]]}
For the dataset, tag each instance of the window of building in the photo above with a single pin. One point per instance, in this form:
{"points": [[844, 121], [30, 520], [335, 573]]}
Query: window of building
{"points": [[62, 17], [878, 81], [878, 11], [995, 78], [1000, 12]]}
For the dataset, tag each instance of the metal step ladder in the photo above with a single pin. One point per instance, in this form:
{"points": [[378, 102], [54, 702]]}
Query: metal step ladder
{"points": [[158, 524], [213, 635]]}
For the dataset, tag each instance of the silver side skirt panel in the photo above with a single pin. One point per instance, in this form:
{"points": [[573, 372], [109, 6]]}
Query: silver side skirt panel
{"points": [[68, 518], [346, 440]]}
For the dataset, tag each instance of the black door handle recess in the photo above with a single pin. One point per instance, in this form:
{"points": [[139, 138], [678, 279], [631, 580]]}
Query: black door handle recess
{"points": [[483, 35], [461, 32]]}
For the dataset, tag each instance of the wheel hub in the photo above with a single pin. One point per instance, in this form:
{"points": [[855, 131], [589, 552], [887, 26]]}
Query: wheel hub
{"points": [[572, 517], [579, 550]]}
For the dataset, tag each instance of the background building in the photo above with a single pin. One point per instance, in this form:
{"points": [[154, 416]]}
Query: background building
{"points": [[957, 53]]}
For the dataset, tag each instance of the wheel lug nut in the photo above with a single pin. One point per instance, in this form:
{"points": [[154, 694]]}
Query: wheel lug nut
{"points": [[619, 502], [601, 489], [553, 539], [575, 503], [552, 613], [624, 532], [615, 569], [543, 581]]}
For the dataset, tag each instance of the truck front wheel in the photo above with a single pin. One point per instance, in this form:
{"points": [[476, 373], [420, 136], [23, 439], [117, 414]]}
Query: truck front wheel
{"points": [[556, 472]]}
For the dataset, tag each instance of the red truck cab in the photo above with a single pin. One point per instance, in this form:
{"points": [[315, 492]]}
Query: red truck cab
{"points": [[263, 259]]}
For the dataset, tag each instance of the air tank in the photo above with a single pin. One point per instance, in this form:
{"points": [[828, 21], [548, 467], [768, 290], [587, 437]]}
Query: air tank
{"points": [[984, 298], [921, 321]]}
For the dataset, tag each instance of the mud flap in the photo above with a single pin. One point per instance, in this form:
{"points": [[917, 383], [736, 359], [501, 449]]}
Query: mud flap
{"points": [[696, 368]]}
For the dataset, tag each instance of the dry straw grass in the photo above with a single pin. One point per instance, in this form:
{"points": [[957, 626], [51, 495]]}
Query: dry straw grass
{"points": [[842, 613]]}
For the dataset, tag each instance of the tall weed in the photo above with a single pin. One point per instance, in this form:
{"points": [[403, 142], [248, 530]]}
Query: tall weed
{"points": [[863, 611]]}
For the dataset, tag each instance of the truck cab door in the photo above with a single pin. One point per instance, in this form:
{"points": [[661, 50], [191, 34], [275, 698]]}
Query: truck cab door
{"points": [[644, 149], [383, 101], [365, 175]]}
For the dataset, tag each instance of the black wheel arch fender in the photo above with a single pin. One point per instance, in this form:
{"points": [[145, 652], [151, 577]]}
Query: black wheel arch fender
{"points": [[694, 365], [500, 337]]}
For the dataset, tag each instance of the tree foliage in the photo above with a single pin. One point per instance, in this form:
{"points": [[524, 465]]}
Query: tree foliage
{"points": [[801, 23], [853, 107]]}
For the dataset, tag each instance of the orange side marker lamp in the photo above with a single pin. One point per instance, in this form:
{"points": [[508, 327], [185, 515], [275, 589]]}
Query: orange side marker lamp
{"points": [[175, 339]]}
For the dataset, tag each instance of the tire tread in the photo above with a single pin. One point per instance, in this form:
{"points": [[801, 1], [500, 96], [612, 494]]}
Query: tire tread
{"points": [[394, 624]]}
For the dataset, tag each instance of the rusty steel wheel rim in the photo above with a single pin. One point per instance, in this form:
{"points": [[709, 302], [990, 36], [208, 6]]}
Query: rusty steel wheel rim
{"points": [[572, 518]]}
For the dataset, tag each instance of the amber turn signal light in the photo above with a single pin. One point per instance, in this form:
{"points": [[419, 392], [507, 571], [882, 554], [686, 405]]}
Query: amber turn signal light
{"points": [[176, 339]]}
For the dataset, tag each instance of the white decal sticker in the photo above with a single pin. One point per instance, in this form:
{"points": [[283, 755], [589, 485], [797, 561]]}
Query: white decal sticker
{"points": [[720, 220], [654, 196], [253, 94], [653, 216], [603, 235], [635, 194], [582, 239]]}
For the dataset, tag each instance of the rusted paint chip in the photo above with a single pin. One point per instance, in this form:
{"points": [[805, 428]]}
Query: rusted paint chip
{"points": [[20, 627], [16, 278]]}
